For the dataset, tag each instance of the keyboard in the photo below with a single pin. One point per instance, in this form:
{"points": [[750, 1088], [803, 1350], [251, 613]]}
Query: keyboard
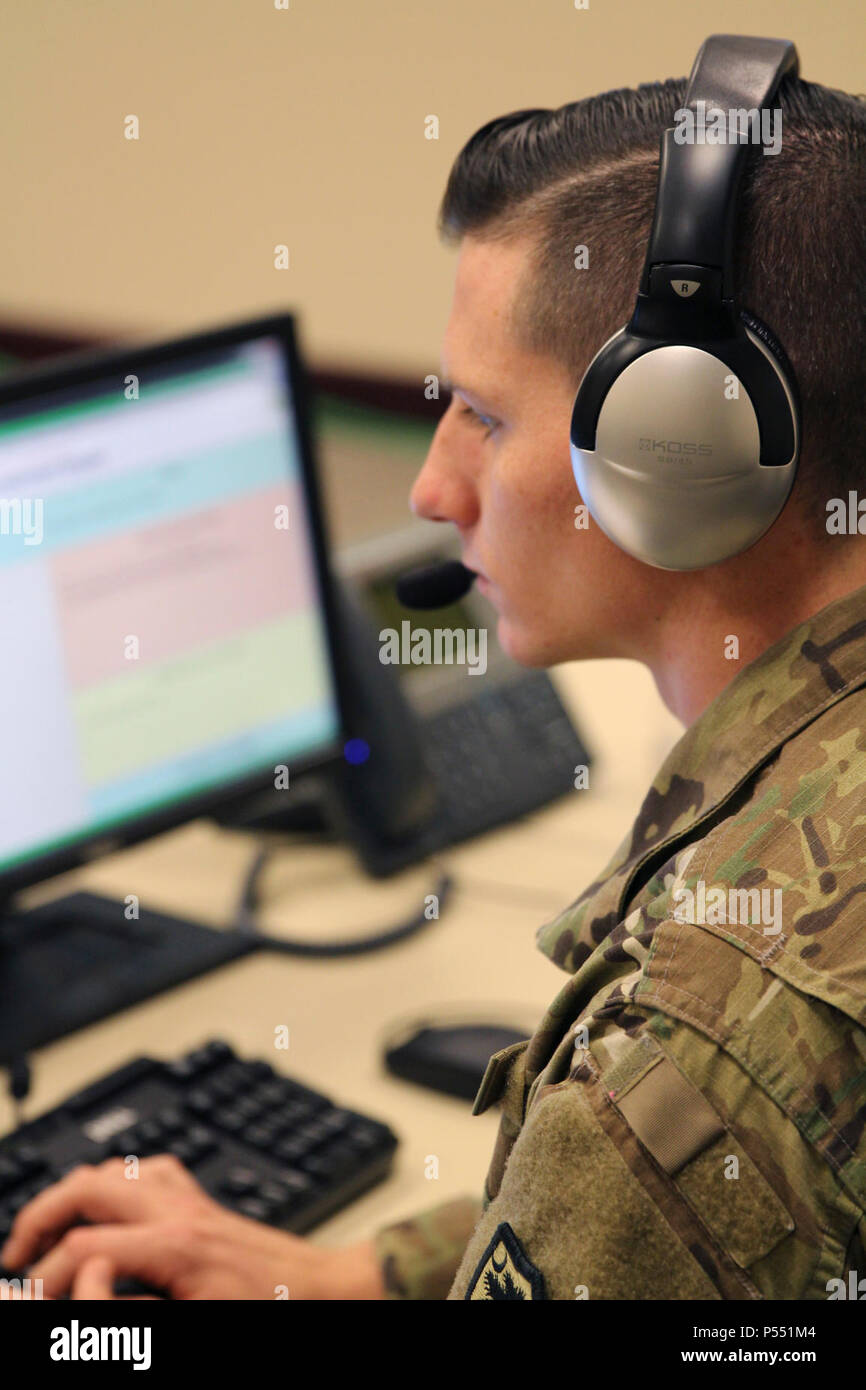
{"points": [[261, 1143]]}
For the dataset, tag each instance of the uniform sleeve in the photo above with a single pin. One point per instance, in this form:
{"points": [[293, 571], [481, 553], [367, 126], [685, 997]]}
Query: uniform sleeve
{"points": [[419, 1256], [625, 1183]]}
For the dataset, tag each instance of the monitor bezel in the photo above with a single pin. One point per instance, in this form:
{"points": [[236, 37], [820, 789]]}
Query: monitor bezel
{"points": [[79, 368]]}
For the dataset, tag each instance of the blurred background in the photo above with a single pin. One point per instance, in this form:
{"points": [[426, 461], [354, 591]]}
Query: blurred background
{"points": [[306, 127]]}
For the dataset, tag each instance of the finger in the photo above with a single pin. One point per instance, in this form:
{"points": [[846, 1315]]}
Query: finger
{"points": [[155, 1254], [94, 1280], [85, 1194], [168, 1171]]}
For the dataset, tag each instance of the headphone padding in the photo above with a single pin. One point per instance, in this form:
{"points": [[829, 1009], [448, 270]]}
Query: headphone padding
{"points": [[768, 338]]}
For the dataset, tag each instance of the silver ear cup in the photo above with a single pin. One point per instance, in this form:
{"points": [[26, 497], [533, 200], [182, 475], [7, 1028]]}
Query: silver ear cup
{"points": [[675, 478]]}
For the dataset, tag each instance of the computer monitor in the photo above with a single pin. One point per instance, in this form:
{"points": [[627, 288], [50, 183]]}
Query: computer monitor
{"points": [[166, 613], [163, 610]]}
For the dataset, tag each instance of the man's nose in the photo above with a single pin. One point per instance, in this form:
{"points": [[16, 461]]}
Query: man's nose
{"points": [[444, 489]]}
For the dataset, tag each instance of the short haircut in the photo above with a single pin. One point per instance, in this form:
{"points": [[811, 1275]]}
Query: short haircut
{"points": [[586, 174]]}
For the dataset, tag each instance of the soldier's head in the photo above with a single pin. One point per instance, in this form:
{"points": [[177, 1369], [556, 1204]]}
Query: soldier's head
{"points": [[530, 310]]}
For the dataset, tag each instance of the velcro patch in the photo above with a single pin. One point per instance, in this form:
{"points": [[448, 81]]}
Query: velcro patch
{"points": [[669, 1115]]}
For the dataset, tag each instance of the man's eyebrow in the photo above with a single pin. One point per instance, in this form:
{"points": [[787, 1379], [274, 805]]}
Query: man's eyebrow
{"points": [[448, 385]]}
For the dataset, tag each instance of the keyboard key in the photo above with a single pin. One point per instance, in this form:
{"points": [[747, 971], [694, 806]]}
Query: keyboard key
{"points": [[230, 1120], [125, 1143], [368, 1132], [322, 1166], [297, 1181], [260, 1136], [202, 1141], [277, 1193], [258, 1071], [151, 1133], [27, 1155], [364, 1141], [275, 1092], [291, 1116], [318, 1104], [192, 1147], [11, 1172], [97, 1153], [147, 1140], [254, 1207], [232, 1080], [240, 1182], [201, 1101], [249, 1107], [224, 1087], [336, 1121], [313, 1133], [171, 1119], [290, 1150], [186, 1068], [344, 1154]]}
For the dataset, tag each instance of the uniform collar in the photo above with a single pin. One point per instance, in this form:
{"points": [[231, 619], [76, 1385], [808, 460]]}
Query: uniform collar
{"points": [[812, 667]]}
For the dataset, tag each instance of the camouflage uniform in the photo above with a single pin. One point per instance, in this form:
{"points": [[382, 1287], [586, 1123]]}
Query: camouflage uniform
{"points": [[688, 1120]]}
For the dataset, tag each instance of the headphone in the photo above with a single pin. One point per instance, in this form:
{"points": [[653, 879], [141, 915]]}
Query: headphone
{"points": [[685, 431]]}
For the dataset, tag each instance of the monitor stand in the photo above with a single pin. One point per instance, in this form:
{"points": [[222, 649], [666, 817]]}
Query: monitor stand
{"points": [[77, 959]]}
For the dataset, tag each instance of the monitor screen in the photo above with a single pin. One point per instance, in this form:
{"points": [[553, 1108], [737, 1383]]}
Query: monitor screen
{"points": [[161, 617]]}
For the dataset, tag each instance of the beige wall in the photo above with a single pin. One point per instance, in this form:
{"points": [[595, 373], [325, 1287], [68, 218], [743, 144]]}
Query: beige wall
{"points": [[305, 127]]}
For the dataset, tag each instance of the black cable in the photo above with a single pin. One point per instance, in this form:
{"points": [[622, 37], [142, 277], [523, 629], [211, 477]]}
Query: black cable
{"points": [[293, 946]]}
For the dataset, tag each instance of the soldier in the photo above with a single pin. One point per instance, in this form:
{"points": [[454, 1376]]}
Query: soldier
{"points": [[687, 1122]]}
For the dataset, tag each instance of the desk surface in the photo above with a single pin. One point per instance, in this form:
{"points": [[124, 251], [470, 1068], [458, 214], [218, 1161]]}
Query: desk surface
{"points": [[479, 960]]}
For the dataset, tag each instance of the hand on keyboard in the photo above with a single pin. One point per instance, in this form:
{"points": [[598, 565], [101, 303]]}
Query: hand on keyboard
{"points": [[163, 1229]]}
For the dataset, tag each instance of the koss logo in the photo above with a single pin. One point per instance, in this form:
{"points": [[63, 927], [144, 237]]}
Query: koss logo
{"points": [[675, 446]]}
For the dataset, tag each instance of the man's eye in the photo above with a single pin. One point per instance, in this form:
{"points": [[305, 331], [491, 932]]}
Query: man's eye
{"points": [[479, 419]]}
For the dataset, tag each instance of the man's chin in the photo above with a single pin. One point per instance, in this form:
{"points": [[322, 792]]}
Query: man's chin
{"points": [[520, 645], [528, 647]]}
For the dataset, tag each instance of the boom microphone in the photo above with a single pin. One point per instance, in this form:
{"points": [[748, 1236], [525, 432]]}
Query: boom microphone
{"points": [[434, 586]]}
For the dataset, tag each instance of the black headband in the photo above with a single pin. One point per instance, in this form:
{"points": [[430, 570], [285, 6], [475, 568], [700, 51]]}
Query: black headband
{"points": [[698, 183]]}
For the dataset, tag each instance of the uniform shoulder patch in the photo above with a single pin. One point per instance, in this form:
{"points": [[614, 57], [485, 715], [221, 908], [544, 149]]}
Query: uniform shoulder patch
{"points": [[504, 1271]]}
